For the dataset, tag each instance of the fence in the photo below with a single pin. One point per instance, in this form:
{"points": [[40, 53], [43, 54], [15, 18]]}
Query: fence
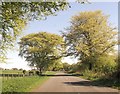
{"points": [[14, 75], [11, 75]]}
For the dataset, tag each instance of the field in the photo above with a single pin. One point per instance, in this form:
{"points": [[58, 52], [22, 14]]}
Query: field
{"points": [[21, 72], [23, 84], [12, 72]]}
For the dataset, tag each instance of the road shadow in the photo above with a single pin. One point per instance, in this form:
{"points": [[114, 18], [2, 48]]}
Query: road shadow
{"points": [[98, 83], [61, 75]]}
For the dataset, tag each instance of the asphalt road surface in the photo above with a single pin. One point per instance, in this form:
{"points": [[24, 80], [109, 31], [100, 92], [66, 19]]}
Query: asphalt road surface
{"points": [[71, 84]]}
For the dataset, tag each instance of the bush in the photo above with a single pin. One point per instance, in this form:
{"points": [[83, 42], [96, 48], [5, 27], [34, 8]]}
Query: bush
{"points": [[24, 71], [105, 64], [90, 75], [37, 72], [31, 73]]}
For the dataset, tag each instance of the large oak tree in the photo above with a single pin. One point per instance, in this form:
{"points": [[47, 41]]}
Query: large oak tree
{"points": [[41, 49], [90, 35]]}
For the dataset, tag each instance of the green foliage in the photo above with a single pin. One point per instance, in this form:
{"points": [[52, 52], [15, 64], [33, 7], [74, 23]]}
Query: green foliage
{"points": [[41, 49], [15, 16], [118, 59], [37, 72], [90, 34], [90, 75], [24, 71], [57, 65], [92, 39], [75, 68], [97, 80], [66, 66], [105, 64]]}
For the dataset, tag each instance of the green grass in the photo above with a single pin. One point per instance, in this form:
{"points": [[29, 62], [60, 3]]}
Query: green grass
{"points": [[20, 72], [11, 72], [108, 83], [23, 84], [101, 81], [50, 72]]}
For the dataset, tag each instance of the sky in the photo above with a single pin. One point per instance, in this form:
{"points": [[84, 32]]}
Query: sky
{"points": [[55, 24]]}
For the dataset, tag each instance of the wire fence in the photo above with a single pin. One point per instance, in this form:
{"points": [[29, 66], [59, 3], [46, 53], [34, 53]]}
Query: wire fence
{"points": [[7, 76]]}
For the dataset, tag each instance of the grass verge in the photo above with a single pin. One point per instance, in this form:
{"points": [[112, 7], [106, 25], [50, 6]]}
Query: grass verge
{"points": [[23, 84], [102, 81]]}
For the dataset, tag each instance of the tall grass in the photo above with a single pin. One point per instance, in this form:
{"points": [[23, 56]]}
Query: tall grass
{"points": [[22, 84]]}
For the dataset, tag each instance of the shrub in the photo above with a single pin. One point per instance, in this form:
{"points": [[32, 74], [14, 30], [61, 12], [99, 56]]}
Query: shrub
{"points": [[24, 71], [105, 64], [90, 75], [31, 73], [37, 72]]}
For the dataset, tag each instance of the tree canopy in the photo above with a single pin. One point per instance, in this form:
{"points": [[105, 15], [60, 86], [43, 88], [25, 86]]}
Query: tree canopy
{"points": [[41, 49], [15, 16], [90, 34]]}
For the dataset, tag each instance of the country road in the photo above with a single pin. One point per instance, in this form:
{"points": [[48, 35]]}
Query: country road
{"points": [[70, 84]]}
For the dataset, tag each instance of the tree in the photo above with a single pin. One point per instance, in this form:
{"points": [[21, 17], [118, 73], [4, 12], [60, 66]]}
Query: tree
{"points": [[117, 73], [66, 66], [15, 16], [89, 35], [57, 65], [41, 49], [76, 67]]}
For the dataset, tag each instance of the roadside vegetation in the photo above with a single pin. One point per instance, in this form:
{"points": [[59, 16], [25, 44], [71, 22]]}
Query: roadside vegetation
{"points": [[12, 72], [90, 38], [23, 84], [16, 15], [42, 49]]}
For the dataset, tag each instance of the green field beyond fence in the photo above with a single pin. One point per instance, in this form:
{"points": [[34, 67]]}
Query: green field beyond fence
{"points": [[5, 74], [12, 71], [22, 84]]}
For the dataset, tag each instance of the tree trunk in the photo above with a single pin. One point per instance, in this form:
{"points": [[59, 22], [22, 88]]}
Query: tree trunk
{"points": [[40, 71], [118, 71], [118, 75], [90, 66], [53, 69]]}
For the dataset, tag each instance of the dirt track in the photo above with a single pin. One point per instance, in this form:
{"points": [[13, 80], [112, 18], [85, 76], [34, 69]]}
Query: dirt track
{"points": [[71, 84]]}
